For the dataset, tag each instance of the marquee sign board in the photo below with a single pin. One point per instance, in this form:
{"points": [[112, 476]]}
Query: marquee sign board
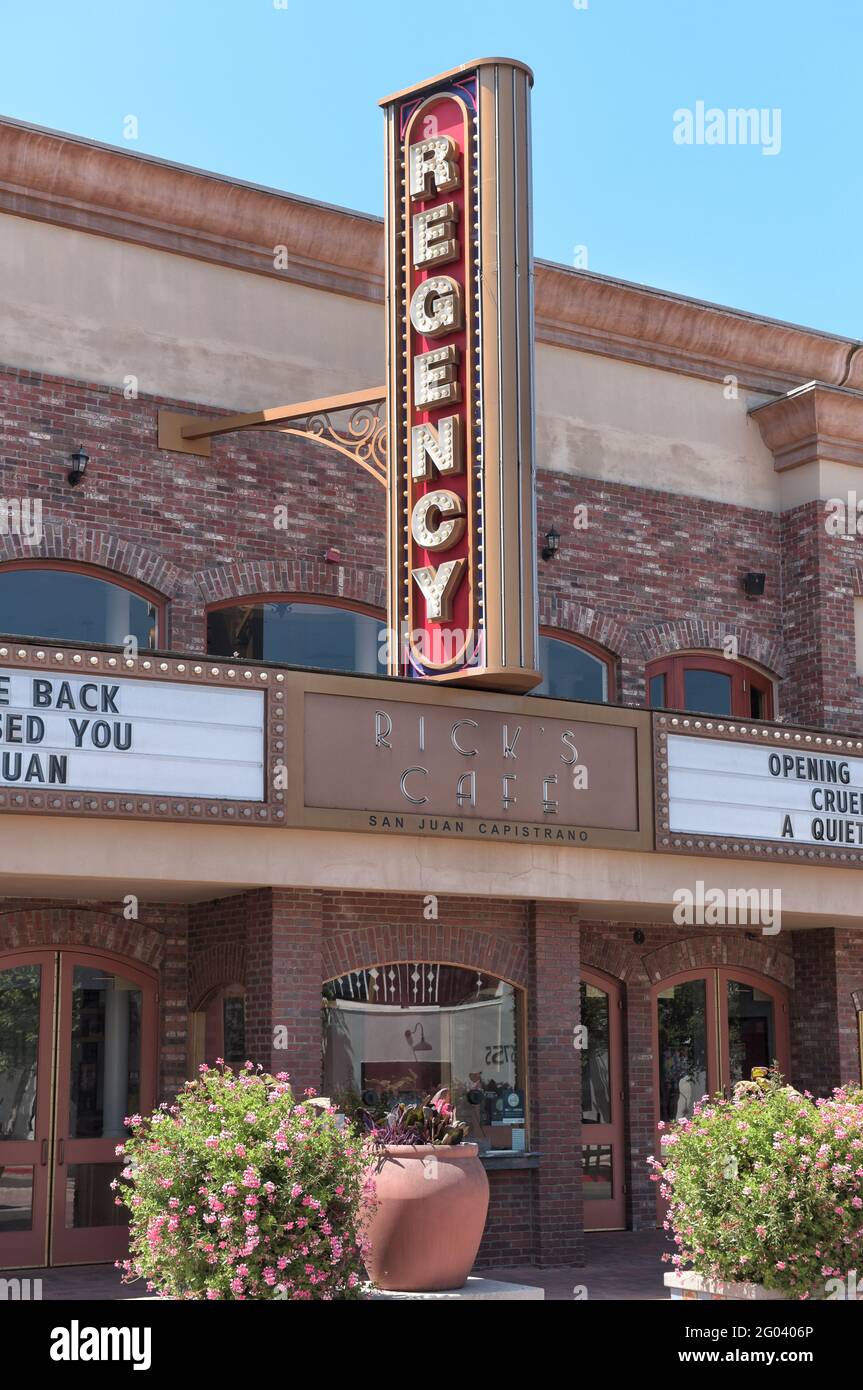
{"points": [[461, 543], [94, 732], [405, 758], [758, 791]]}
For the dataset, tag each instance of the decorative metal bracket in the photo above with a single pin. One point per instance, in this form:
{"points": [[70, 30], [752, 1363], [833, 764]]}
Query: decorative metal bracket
{"points": [[362, 437]]}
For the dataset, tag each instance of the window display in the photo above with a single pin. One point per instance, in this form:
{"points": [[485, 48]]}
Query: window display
{"points": [[400, 1031]]}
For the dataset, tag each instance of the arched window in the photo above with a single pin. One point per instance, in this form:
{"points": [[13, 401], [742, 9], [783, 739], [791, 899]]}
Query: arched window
{"points": [[574, 670], [298, 632], [403, 1030], [68, 603], [704, 683]]}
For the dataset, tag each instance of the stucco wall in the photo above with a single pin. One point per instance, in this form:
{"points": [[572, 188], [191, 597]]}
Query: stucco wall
{"points": [[97, 309]]}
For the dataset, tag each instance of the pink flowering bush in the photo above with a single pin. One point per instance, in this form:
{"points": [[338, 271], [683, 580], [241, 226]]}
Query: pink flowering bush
{"points": [[767, 1187], [241, 1191]]}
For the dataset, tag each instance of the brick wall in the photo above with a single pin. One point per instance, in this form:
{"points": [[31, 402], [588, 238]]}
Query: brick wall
{"points": [[829, 970], [555, 1075], [652, 573], [217, 946]]}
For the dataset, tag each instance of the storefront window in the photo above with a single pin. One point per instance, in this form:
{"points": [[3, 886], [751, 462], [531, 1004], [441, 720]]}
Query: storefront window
{"points": [[318, 635], [399, 1032], [571, 672], [751, 1032], [706, 684], [66, 606], [682, 1049], [595, 1058]]}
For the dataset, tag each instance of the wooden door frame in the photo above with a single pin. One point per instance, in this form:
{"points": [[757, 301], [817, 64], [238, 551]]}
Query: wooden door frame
{"points": [[94, 1245], [716, 1027], [742, 674], [711, 1025], [781, 1017], [609, 1213], [29, 1249]]}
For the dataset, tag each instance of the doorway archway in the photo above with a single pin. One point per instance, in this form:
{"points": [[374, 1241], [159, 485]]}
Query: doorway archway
{"points": [[711, 1026]]}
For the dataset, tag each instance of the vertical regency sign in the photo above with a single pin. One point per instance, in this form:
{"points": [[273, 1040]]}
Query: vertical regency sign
{"points": [[461, 541]]}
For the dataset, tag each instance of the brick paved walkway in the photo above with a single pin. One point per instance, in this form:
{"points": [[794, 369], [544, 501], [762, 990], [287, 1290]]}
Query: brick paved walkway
{"points": [[620, 1265]]}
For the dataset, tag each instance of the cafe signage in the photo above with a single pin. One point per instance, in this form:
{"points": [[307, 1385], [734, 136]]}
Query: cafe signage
{"points": [[85, 731], [462, 548], [397, 759], [758, 790]]}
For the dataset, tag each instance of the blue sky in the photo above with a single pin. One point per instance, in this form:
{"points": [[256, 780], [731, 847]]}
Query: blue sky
{"points": [[287, 96]]}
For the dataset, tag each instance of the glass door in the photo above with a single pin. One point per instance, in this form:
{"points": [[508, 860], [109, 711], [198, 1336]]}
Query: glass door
{"points": [[26, 1047], [686, 1058], [711, 1027], [755, 1025], [602, 1147], [107, 1024], [77, 1055]]}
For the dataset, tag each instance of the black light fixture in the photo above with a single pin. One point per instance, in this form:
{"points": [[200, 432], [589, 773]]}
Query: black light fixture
{"points": [[552, 544], [638, 936], [79, 461], [753, 584]]}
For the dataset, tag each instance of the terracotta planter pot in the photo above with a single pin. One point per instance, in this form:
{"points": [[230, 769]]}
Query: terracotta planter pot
{"points": [[430, 1215]]}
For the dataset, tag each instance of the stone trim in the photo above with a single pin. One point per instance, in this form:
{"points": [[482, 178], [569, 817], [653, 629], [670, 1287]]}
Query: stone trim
{"points": [[815, 424]]}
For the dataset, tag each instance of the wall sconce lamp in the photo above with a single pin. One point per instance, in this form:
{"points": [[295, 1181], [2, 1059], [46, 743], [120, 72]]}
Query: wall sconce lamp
{"points": [[552, 544], [79, 461], [753, 585]]}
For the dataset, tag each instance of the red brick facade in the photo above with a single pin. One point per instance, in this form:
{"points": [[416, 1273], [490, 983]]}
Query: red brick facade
{"points": [[652, 573]]}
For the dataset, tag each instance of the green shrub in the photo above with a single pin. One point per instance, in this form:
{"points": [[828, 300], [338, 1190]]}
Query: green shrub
{"points": [[767, 1187], [240, 1191]]}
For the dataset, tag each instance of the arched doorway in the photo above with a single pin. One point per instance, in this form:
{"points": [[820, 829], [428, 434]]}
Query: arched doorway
{"points": [[603, 1157], [710, 1028], [77, 1055], [217, 1028]]}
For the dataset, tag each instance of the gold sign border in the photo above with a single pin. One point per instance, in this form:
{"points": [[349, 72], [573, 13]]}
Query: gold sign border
{"points": [[301, 683], [469, 407], [156, 668], [750, 732]]}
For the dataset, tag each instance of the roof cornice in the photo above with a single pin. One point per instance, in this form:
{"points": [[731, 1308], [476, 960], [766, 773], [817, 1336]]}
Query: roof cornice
{"points": [[109, 191], [815, 423]]}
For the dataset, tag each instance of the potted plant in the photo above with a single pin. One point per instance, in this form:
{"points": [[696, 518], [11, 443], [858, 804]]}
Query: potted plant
{"points": [[242, 1191], [431, 1198], [765, 1194]]}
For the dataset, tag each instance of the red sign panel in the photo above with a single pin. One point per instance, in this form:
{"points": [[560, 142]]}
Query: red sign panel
{"points": [[442, 506]]}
